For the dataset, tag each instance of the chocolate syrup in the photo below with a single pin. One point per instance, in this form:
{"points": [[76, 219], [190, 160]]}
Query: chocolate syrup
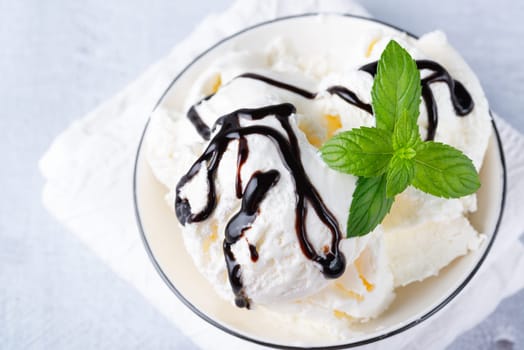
{"points": [[256, 190], [460, 97], [253, 253], [341, 91], [350, 97], [332, 262], [193, 116], [243, 152]]}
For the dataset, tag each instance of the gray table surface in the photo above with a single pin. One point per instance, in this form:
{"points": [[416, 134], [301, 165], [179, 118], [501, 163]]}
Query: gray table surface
{"points": [[60, 59]]}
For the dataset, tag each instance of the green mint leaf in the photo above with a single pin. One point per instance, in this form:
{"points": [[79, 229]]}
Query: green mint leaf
{"points": [[392, 156], [396, 87], [361, 152], [400, 175], [444, 171], [369, 206], [405, 133]]}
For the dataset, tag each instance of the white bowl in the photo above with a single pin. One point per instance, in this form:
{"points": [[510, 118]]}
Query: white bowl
{"points": [[162, 238]]}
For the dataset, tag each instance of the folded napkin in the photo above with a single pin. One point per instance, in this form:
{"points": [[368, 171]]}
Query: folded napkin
{"points": [[88, 171]]}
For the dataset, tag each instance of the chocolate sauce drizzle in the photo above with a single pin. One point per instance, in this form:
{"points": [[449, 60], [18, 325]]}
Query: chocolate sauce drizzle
{"points": [[253, 253], [332, 262], [460, 97], [256, 190], [200, 126], [344, 93], [341, 91]]}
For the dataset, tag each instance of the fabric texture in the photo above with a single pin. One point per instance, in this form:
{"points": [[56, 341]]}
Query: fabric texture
{"points": [[89, 167]]}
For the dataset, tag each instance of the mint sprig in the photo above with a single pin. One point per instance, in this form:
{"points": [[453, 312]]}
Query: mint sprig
{"points": [[392, 156]]}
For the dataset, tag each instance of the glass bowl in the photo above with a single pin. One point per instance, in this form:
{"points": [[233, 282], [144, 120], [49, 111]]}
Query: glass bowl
{"points": [[158, 225]]}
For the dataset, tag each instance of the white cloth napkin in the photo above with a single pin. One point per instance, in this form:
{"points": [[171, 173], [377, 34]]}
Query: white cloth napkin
{"points": [[88, 171]]}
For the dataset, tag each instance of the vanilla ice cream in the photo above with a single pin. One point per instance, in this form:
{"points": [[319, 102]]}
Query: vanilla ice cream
{"points": [[262, 215]]}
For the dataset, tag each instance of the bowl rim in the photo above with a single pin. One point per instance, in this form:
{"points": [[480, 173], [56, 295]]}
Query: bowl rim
{"points": [[232, 332]]}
